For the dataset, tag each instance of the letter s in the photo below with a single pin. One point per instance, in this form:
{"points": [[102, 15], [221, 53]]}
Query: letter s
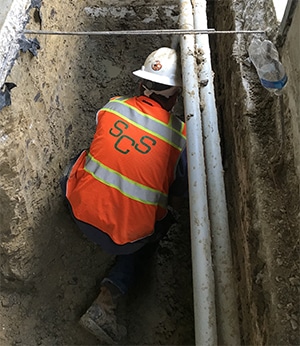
{"points": [[118, 133], [147, 146]]}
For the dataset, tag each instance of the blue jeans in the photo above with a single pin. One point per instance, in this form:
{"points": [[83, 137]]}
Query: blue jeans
{"points": [[128, 267]]}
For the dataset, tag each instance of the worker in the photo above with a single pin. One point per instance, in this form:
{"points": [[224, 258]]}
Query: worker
{"points": [[122, 190]]}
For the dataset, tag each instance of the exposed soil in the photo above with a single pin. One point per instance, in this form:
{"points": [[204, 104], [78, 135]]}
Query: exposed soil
{"points": [[261, 181], [50, 273]]}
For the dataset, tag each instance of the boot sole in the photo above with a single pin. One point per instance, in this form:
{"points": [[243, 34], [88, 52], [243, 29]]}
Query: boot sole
{"points": [[87, 323]]}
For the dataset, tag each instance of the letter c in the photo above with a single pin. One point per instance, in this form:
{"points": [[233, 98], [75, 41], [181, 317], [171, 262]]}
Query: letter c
{"points": [[124, 151]]}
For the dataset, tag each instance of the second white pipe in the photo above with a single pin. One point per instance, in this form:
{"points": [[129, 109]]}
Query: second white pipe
{"points": [[226, 304]]}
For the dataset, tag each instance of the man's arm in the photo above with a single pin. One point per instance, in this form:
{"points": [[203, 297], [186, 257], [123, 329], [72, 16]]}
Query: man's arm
{"points": [[179, 189]]}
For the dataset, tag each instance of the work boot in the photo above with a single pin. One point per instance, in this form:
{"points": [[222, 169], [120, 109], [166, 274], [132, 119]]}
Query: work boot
{"points": [[100, 319]]}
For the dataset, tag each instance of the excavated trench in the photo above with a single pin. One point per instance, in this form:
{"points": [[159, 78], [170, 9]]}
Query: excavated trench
{"points": [[50, 273]]}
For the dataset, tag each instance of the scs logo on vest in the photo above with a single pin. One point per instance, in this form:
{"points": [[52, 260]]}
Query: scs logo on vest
{"points": [[125, 143]]}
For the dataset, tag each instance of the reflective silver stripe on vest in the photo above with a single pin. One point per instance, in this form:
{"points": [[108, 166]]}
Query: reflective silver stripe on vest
{"points": [[126, 186], [166, 132]]}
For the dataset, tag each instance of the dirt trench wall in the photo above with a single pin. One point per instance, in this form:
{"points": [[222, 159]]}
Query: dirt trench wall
{"points": [[52, 115], [290, 53], [35, 135], [260, 174]]}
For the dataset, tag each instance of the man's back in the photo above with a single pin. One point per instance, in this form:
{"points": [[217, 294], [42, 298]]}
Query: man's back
{"points": [[129, 168]]}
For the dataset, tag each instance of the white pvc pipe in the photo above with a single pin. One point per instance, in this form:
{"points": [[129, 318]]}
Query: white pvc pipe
{"points": [[203, 278], [226, 305]]}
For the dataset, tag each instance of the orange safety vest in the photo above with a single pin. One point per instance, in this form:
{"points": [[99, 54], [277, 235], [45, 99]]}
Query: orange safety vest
{"points": [[121, 184]]}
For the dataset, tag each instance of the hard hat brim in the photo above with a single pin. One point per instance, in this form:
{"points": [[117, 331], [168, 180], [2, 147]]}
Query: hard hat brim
{"points": [[158, 79]]}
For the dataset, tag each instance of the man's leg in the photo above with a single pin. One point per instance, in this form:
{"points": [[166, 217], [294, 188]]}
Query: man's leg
{"points": [[123, 273], [100, 319]]}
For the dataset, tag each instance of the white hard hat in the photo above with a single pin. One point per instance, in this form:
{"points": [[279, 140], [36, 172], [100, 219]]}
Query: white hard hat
{"points": [[161, 66]]}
